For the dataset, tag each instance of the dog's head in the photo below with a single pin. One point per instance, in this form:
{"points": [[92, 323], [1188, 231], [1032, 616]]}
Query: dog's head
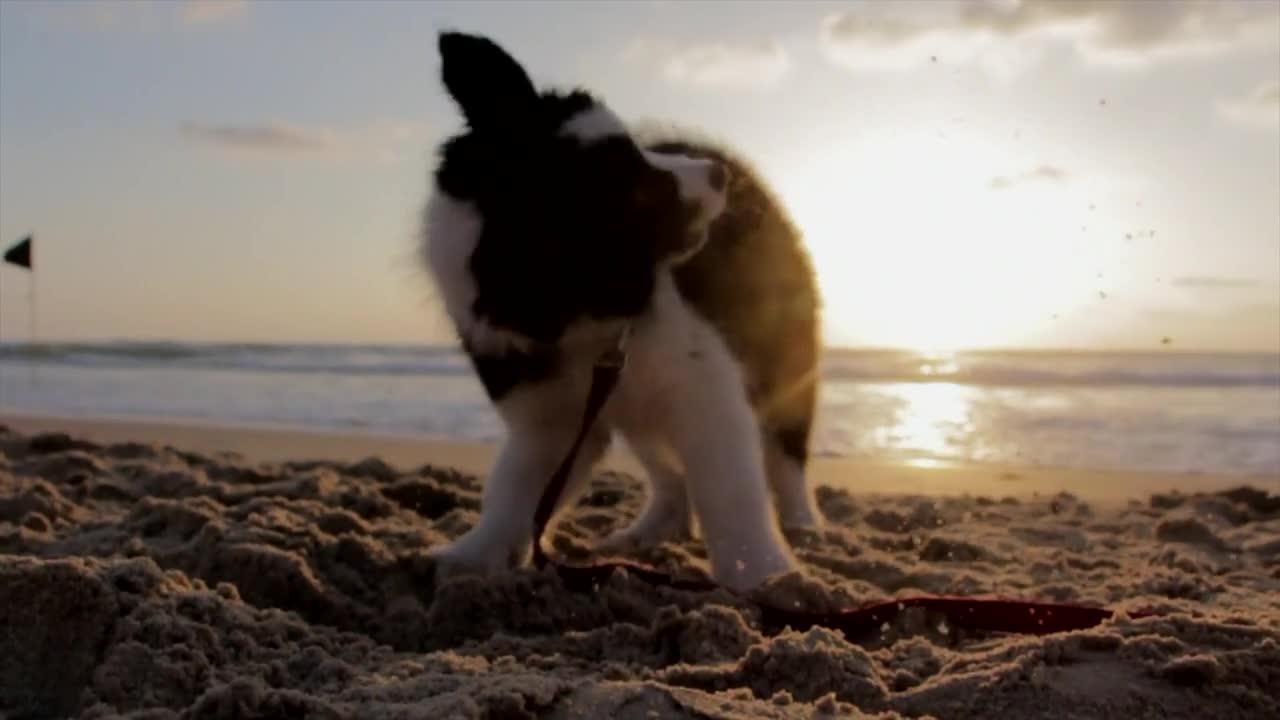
{"points": [[562, 186]]}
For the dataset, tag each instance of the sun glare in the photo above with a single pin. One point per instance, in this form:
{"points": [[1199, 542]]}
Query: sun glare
{"points": [[933, 422], [915, 247]]}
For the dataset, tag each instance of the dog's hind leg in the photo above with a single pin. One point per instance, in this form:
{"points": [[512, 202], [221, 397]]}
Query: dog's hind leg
{"points": [[785, 458], [786, 435], [666, 512]]}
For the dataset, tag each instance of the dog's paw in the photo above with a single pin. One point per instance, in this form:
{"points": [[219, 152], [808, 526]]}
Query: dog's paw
{"points": [[802, 517], [476, 555], [649, 530], [750, 572]]}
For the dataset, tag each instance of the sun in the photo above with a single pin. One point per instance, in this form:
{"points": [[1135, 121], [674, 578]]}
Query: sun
{"points": [[914, 248]]}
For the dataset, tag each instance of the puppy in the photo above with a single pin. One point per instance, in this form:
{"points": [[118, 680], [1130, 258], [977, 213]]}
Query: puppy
{"points": [[550, 228]]}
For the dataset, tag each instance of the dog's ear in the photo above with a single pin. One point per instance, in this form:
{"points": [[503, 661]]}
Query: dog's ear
{"points": [[490, 87]]}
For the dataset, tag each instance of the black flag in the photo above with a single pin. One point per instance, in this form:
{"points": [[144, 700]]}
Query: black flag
{"points": [[20, 254]]}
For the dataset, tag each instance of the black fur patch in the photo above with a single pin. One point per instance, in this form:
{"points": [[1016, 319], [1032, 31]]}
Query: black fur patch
{"points": [[794, 442], [501, 372], [566, 234]]}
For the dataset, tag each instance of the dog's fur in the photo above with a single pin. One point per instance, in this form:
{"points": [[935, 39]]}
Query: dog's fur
{"points": [[551, 226]]}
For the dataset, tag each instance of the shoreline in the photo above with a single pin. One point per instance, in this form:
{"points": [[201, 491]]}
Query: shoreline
{"points": [[274, 443]]}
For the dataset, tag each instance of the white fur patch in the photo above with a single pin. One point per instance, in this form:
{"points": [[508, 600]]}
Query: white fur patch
{"points": [[452, 231], [693, 175], [594, 124]]}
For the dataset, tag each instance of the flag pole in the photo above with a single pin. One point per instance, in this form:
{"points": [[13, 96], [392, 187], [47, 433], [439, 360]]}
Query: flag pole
{"points": [[31, 323], [22, 255], [31, 308]]}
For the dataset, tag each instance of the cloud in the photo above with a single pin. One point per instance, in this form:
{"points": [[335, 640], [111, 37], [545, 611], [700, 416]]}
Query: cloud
{"points": [[203, 12], [1040, 173], [1213, 282], [872, 40], [381, 140], [1007, 35], [1259, 109], [743, 65], [271, 138], [141, 15]]}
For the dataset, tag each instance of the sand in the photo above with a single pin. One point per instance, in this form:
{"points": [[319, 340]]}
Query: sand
{"points": [[157, 579]]}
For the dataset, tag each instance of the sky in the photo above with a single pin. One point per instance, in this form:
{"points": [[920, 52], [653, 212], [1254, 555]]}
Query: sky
{"points": [[1094, 174]]}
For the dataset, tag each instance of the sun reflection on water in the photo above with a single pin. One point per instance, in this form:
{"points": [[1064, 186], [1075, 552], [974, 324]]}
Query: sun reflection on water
{"points": [[938, 364], [932, 420]]}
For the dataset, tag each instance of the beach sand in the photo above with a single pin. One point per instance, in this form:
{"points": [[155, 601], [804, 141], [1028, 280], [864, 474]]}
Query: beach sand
{"points": [[156, 570]]}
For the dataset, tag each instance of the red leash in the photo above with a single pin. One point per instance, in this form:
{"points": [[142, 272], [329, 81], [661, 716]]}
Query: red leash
{"points": [[993, 615]]}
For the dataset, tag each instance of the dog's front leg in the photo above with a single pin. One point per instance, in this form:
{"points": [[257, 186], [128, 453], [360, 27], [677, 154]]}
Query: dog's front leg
{"points": [[502, 537], [716, 432]]}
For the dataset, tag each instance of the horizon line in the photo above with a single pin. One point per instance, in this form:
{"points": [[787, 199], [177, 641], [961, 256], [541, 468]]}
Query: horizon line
{"points": [[1171, 349]]}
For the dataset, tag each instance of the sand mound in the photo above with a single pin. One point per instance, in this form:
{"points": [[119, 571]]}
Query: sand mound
{"points": [[151, 582]]}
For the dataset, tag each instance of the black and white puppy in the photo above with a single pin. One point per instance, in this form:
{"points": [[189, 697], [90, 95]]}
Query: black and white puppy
{"points": [[551, 226]]}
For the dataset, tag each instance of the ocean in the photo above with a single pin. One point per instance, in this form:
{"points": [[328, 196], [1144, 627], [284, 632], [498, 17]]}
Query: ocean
{"points": [[1168, 411]]}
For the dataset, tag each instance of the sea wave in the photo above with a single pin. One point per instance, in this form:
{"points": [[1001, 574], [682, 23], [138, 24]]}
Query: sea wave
{"points": [[245, 357], [999, 369]]}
